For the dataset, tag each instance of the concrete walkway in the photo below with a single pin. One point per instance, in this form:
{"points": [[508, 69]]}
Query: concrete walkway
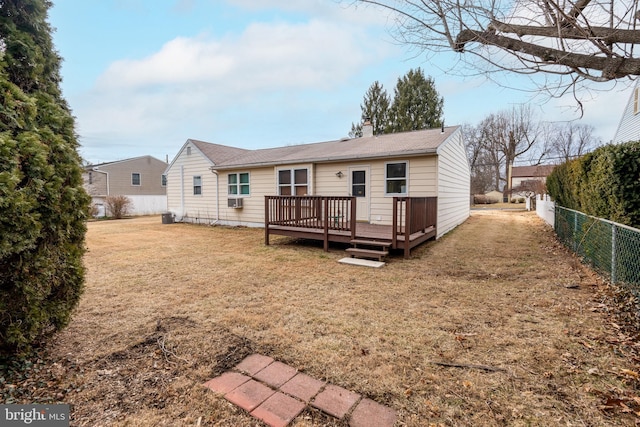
{"points": [[277, 393]]}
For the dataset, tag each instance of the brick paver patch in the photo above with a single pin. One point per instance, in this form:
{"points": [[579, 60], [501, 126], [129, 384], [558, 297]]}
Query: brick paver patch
{"points": [[372, 414], [253, 364], [227, 382], [276, 374], [335, 400], [303, 387], [249, 395], [278, 410], [277, 393]]}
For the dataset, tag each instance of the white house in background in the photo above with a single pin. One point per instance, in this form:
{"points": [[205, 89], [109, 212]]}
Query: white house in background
{"points": [[525, 179], [629, 126], [212, 183], [141, 179]]}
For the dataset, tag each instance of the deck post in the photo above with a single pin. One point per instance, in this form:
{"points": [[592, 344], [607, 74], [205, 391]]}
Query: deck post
{"points": [[394, 224], [266, 220], [353, 218], [407, 228], [325, 202]]}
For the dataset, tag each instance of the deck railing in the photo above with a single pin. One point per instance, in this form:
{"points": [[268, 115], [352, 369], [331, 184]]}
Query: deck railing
{"points": [[412, 215], [319, 212]]}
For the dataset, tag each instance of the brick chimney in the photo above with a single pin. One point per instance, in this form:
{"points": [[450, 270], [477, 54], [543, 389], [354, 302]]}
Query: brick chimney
{"points": [[367, 128]]}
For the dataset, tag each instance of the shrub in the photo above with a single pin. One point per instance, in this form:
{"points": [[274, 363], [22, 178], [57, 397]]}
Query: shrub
{"points": [[118, 206], [480, 199], [603, 183], [43, 207]]}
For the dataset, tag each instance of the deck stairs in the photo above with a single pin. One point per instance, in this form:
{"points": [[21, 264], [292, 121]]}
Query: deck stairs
{"points": [[369, 248]]}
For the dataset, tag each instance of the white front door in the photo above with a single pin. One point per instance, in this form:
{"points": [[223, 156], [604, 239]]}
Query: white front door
{"points": [[359, 187]]}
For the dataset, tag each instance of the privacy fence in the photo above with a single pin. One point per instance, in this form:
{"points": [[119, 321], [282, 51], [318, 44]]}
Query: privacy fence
{"points": [[612, 249]]}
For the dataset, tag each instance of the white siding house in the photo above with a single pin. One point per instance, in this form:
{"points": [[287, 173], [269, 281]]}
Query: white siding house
{"points": [[374, 169], [629, 126]]}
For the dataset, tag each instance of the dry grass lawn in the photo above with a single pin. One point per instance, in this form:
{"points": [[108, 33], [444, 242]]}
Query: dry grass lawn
{"points": [[168, 307]]}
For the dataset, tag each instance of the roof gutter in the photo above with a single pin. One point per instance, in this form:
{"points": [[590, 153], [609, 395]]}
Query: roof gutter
{"points": [[412, 153]]}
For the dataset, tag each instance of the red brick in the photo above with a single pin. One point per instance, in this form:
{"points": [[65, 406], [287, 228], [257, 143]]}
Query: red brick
{"points": [[276, 374], [335, 400], [226, 382], [372, 414], [302, 386], [253, 364], [278, 410], [249, 395]]}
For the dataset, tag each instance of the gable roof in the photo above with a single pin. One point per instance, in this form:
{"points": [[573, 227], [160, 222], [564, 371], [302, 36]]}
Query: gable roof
{"points": [[539, 171], [218, 153], [396, 144], [132, 159]]}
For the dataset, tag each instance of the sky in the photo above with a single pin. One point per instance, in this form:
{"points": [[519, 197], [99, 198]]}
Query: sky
{"points": [[143, 76]]}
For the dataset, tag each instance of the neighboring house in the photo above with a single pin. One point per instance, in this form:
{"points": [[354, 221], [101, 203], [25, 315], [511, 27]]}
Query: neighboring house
{"points": [[211, 183], [141, 179], [526, 180], [629, 126]]}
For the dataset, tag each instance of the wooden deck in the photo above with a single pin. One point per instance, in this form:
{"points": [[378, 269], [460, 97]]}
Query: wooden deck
{"points": [[303, 217]]}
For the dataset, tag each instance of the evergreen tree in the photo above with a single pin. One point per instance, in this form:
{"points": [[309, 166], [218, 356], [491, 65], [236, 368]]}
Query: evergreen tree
{"points": [[43, 206], [376, 108], [416, 104]]}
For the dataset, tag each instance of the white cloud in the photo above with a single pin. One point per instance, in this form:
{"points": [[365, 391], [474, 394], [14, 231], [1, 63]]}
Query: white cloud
{"points": [[180, 60], [269, 66]]}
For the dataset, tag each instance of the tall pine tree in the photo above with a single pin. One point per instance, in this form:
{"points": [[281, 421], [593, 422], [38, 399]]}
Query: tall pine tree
{"points": [[43, 206], [416, 104], [376, 108]]}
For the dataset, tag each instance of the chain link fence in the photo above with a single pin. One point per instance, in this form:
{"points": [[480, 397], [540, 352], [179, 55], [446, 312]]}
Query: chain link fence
{"points": [[610, 248]]}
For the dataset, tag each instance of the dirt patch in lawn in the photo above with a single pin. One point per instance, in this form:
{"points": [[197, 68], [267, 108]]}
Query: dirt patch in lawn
{"points": [[494, 324]]}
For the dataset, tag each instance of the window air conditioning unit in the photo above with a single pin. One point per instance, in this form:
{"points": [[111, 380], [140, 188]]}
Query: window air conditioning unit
{"points": [[235, 203]]}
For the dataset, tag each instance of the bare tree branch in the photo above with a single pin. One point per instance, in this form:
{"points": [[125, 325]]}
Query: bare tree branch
{"points": [[612, 68], [584, 39]]}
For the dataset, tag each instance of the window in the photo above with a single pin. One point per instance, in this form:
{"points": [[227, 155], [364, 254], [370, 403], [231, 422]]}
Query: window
{"points": [[188, 150], [293, 182], [396, 178], [90, 178], [135, 178], [358, 183], [239, 183], [163, 180], [636, 100], [197, 185]]}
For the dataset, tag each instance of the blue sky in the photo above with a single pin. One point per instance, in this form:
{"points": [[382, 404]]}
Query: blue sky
{"points": [[143, 76]]}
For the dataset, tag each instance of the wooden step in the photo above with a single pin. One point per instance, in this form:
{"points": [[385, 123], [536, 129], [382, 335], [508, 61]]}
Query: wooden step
{"points": [[367, 253], [380, 243]]}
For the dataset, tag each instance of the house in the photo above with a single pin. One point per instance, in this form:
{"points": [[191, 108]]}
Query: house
{"points": [[212, 183], [141, 179], [629, 126], [529, 180]]}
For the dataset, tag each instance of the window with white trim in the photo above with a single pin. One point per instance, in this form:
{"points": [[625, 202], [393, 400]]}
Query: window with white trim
{"points": [[238, 184], [197, 185], [396, 178], [135, 178], [293, 182]]}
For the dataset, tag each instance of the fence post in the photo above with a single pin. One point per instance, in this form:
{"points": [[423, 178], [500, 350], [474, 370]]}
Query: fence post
{"points": [[575, 232], [613, 253]]}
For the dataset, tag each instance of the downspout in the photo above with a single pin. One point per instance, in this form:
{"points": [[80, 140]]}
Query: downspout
{"points": [[215, 172], [181, 192]]}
